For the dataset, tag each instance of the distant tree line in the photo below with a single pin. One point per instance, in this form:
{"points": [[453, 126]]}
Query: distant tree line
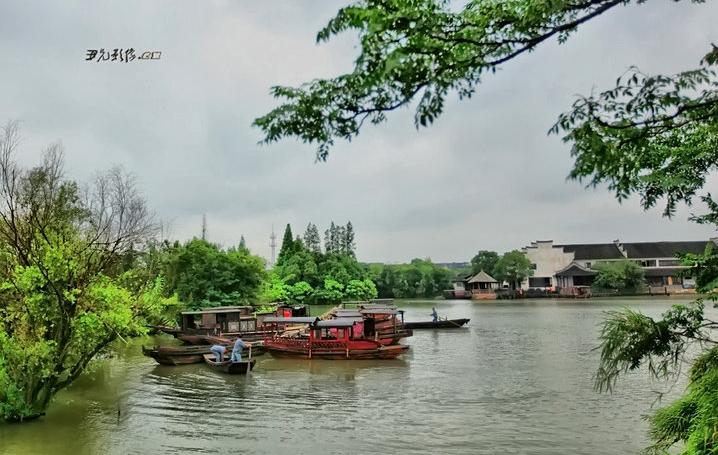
{"points": [[419, 278]]}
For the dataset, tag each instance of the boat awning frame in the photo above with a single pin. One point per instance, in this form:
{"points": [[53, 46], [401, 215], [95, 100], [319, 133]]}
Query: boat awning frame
{"points": [[291, 320]]}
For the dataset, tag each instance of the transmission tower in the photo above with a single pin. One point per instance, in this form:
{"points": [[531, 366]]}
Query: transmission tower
{"points": [[273, 245]]}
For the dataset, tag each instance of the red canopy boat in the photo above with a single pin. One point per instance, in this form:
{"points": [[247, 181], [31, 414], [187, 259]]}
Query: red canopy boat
{"points": [[330, 339], [382, 323]]}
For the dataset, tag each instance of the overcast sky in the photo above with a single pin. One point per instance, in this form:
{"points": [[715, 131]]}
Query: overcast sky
{"points": [[484, 176]]}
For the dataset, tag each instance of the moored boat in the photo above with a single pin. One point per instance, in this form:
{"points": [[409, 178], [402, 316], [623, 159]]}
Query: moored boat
{"points": [[198, 327], [176, 355], [440, 324], [331, 339], [229, 367], [184, 355], [381, 322]]}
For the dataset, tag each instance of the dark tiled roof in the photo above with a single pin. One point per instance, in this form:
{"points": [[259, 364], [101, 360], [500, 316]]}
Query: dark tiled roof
{"points": [[593, 251], [574, 269], [663, 249]]}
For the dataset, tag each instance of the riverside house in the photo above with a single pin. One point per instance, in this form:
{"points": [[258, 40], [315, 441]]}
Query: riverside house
{"points": [[570, 265], [482, 286]]}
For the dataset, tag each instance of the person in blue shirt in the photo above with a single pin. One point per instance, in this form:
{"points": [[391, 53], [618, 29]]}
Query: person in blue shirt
{"points": [[435, 317], [237, 350], [218, 350]]}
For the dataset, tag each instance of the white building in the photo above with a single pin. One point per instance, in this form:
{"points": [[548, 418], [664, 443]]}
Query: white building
{"points": [[571, 265]]}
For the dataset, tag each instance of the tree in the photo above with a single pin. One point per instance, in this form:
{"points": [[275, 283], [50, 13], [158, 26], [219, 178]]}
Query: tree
{"points": [[513, 267], [623, 276], [348, 240], [340, 246], [274, 289], [58, 307], [330, 239], [242, 243], [422, 51], [287, 245], [331, 292], [631, 340], [420, 278], [484, 260], [299, 293], [361, 290], [207, 276], [311, 238]]}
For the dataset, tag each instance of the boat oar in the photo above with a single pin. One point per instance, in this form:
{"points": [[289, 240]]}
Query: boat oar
{"points": [[249, 363]]}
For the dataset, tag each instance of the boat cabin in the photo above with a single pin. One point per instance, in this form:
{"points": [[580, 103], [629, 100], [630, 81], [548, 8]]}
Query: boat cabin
{"points": [[289, 311], [332, 330], [226, 319], [375, 321], [282, 311]]}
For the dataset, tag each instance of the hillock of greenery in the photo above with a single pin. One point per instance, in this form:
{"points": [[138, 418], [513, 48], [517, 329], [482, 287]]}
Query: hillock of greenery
{"points": [[419, 278], [204, 275], [305, 274]]}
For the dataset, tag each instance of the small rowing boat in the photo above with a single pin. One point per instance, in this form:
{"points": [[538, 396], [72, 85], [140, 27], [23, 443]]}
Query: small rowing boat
{"points": [[176, 355], [184, 355], [440, 324], [229, 367]]}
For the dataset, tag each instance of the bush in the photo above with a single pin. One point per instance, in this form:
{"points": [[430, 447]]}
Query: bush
{"points": [[623, 276]]}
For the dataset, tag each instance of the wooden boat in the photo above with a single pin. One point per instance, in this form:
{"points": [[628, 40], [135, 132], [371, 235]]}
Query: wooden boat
{"points": [[332, 339], [384, 324], [440, 324], [183, 355], [176, 355], [229, 367]]}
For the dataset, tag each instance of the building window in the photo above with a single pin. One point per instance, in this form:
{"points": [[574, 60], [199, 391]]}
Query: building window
{"points": [[647, 263], [669, 262], [539, 282], [588, 265], [533, 266]]}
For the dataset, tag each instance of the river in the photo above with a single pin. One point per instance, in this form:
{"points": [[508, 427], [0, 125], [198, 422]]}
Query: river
{"points": [[517, 380]]}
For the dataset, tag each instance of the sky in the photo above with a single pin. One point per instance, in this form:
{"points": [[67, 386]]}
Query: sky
{"points": [[485, 176]]}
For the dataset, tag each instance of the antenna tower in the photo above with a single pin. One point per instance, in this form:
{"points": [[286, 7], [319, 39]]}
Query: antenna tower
{"points": [[273, 244]]}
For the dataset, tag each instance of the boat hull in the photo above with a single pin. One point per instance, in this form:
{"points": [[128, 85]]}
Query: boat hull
{"points": [[185, 355], [174, 356], [446, 324], [377, 352], [228, 366]]}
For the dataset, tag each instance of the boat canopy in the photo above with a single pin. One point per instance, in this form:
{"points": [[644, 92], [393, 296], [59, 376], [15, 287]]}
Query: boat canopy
{"points": [[220, 309], [380, 311], [291, 320], [331, 323], [347, 313]]}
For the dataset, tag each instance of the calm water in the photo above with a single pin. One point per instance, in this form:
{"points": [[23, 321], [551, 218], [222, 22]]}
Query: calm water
{"points": [[517, 380]]}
